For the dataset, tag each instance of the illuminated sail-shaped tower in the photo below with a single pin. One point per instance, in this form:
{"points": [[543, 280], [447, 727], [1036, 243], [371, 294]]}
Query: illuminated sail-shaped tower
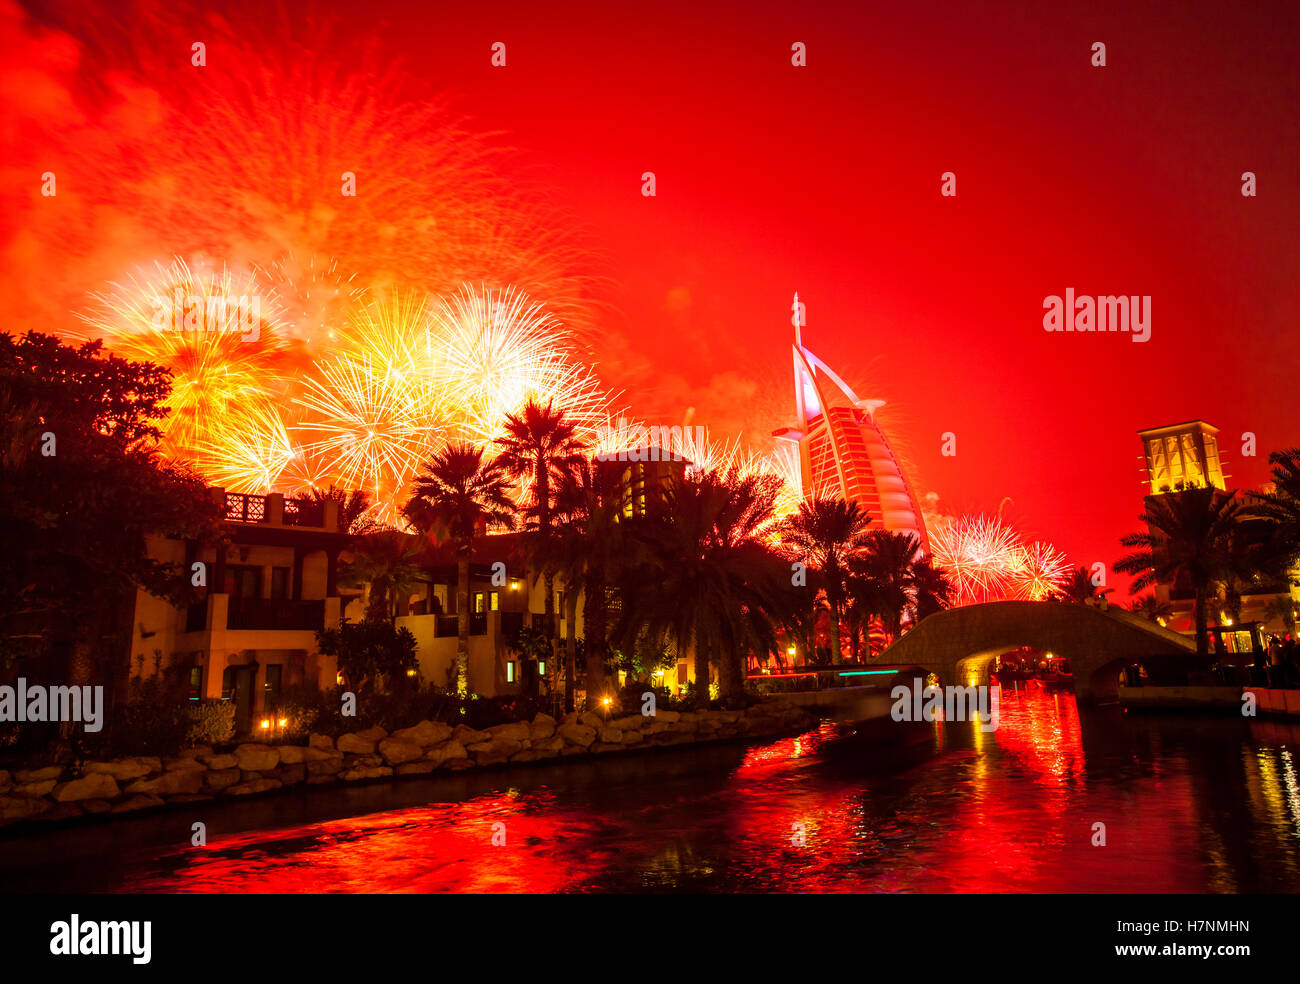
{"points": [[842, 450]]}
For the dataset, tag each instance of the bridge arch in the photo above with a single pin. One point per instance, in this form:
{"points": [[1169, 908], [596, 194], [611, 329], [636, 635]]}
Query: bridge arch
{"points": [[960, 642]]}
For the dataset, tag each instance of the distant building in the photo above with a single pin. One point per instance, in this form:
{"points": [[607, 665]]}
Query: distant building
{"points": [[843, 451], [264, 596], [275, 583], [1178, 457], [1182, 456]]}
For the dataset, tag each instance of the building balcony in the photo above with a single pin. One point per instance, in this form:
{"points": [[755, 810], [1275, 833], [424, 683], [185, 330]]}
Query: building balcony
{"points": [[275, 510], [275, 613], [221, 613]]}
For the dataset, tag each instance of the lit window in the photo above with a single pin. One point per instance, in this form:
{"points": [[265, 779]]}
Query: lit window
{"points": [[495, 603], [478, 603], [510, 671], [541, 667]]}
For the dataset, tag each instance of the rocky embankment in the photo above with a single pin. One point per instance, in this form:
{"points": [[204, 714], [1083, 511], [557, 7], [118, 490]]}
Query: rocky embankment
{"points": [[125, 785]]}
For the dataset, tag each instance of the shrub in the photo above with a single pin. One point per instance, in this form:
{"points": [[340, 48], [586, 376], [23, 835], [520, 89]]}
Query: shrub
{"points": [[211, 722]]}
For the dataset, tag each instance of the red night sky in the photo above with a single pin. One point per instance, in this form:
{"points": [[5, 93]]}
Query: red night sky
{"points": [[1124, 179]]}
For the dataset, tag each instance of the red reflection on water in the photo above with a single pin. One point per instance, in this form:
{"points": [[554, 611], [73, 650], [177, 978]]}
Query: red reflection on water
{"points": [[955, 809]]}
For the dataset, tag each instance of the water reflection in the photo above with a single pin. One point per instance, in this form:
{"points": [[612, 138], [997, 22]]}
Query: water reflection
{"points": [[1187, 803]]}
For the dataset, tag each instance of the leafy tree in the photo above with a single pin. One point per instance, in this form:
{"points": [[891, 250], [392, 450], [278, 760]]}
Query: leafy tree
{"points": [[456, 498], [372, 655], [82, 487]]}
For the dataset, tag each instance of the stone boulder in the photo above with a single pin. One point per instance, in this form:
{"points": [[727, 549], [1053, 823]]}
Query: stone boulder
{"points": [[94, 785], [374, 734], [496, 749], [257, 758], [38, 775], [291, 775], [594, 721], [320, 741], [124, 769], [548, 747], [253, 786], [219, 779], [543, 726], [169, 783], [611, 736], [141, 802], [447, 753], [354, 744], [518, 730], [22, 807], [396, 751], [326, 767], [366, 772], [469, 736], [222, 762], [292, 754], [39, 787], [631, 722], [416, 768], [182, 762], [577, 734], [426, 734]]}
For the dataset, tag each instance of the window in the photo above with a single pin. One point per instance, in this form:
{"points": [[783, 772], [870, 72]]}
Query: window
{"points": [[541, 667], [478, 603], [495, 604], [510, 671], [279, 582], [196, 682]]}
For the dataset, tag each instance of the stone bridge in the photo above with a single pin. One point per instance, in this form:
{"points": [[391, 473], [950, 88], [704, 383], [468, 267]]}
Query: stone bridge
{"points": [[961, 643]]}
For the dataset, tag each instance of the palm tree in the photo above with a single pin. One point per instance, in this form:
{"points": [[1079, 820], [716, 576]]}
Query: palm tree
{"points": [[352, 507], [589, 545], [1078, 587], [824, 533], [888, 565], [1152, 608], [1282, 505], [707, 577], [541, 447], [1189, 535], [931, 589], [457, 497], [387, 561]]}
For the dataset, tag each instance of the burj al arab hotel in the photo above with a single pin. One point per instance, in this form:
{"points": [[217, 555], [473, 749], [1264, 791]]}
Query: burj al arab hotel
{"points": [[843, 452]]}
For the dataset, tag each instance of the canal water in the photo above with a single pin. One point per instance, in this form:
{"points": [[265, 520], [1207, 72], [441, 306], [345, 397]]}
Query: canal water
{"points": [[1188, 804]]}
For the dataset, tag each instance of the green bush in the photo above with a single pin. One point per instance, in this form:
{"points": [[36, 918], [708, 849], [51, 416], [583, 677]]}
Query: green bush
{"points": [[211, 722]]}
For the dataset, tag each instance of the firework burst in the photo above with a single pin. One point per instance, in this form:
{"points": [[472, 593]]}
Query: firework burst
{"points": [[224, 364], [986, 560]]}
